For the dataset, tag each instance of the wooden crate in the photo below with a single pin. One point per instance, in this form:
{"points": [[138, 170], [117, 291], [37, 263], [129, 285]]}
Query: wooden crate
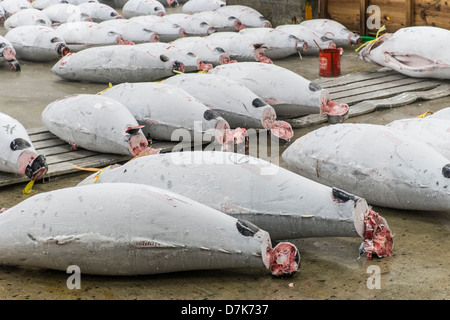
{"points": [[394, 14]]}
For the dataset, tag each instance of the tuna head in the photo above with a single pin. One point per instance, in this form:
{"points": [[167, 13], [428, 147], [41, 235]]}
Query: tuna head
{"points": [[335, 112], [216, 126], [136, 139], [9, 54], [283, 260], [29, 163], [279, 129]]}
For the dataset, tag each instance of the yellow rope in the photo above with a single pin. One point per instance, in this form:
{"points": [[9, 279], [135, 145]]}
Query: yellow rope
{"points": [[383, 28], [28, 187]]}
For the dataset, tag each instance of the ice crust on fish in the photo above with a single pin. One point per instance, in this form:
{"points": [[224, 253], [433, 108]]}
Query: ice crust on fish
{"points": [[133, 229]]}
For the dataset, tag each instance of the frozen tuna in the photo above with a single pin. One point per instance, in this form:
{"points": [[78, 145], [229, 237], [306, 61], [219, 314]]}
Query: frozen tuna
{"points": [[433, 131], [12, 6], [133, 8], [381, 164], [311, 37], [99, 12], [191, 62], [81, 35], [193, 6], [132, 30], [131, 229], [333, 31], [27, 17], [278, 43], [164, 109], [17, 151], [167, 31], [221, 21], [208, 52], [287, 92], [115, 64], [192, 25], [283, 203], [249, 17], [95, 123], [414, 51], [37, 43], [237, 104], [239, 47], [8, 54]]}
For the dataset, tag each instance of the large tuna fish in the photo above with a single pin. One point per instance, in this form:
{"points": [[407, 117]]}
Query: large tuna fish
{"points": [[281, 202], [163, 109], [334, 31], [191, 62], [192, 25], [115, 64], [134, 8], [27, 17], [99, 12], [233, 101], [220, 21], [132, 229], [433, 131], [61, 12], [278, 44], [12, 6], [414, 51], [381, 164], [207, 52], [249, 17], [95, 123], [194, 6], [132, 30], [312, 38], [290, 94], [8, 54], [238, 46], [81, 35], [17, 153], [167, 31], [43, 4], [37, 43]]}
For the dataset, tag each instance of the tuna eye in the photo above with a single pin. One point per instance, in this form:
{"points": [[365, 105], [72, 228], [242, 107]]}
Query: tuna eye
{"points": [[209, 115], [314, 87], [113, 14], [55, 39], [446, 171], [19, 144], [246, 228], [258, 103]]}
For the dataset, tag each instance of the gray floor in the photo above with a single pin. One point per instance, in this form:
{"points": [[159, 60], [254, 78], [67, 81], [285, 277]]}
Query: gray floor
{"points": [[330, 269]]}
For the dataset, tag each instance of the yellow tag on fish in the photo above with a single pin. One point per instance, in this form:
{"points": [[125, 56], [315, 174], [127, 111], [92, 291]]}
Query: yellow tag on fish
{"points": [[425, 114], [28, 187]]}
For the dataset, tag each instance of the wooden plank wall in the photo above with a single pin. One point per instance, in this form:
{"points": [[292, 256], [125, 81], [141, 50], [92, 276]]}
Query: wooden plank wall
{"points": [[395, 14]]}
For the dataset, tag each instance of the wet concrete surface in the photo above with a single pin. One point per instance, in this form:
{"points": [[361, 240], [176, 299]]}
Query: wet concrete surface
{"points": [[330, 267]]}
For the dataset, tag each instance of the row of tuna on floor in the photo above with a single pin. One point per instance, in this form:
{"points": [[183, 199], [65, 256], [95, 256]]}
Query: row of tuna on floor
{"points": [[96, 239]]}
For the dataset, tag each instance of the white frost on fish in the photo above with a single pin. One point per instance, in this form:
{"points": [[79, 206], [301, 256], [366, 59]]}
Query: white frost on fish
{"points": [[132, 229], [381, 164]]}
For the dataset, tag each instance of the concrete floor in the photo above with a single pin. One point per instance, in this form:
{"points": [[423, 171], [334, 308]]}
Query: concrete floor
{"points": [[330, 268]]}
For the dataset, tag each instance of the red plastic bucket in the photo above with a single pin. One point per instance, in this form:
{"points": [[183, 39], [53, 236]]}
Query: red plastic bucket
{"points": [[329, 62]]}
